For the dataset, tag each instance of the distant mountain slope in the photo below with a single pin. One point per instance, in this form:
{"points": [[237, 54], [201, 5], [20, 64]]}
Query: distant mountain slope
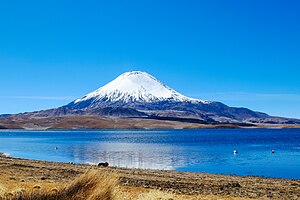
{"points": [[4, 115], [139, 95], [144, 93]]}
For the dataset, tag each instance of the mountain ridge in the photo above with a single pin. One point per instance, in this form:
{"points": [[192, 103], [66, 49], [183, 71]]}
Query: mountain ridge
{"points": [[138, 94], [138, 90]]}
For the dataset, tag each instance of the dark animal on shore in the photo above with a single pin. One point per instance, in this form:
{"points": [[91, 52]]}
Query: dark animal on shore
{"points": [[103, 164]]}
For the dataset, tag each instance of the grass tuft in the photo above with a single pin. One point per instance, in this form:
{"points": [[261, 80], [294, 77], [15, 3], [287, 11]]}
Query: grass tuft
{"points": [[92, 185]]}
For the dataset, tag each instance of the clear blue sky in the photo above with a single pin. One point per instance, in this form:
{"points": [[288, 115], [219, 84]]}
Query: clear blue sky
{"points": [[242, 53]]}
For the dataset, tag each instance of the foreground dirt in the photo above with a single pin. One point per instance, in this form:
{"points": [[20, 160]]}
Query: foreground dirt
{"points": [[137, 183]]}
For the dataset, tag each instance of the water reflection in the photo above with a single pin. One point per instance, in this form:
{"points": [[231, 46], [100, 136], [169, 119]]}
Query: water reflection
{"points": [[130, 155]]}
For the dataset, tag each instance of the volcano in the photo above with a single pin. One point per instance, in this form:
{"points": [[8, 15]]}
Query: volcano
{"points": [[139, 95]]}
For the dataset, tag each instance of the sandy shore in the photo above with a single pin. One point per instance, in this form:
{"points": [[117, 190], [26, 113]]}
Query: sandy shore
{"points": [[188, 185]]}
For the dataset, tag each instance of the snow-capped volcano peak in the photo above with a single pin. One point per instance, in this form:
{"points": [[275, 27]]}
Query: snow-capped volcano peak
{"points": [[135, 86]]}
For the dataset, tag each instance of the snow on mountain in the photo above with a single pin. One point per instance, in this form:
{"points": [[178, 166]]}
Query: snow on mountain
{"points": [[136, 86], [139, 95]]}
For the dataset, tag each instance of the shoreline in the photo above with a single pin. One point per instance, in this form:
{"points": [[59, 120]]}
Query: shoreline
{"points": [[259, 126], [183, 183], [8, 156], [97, 122]]}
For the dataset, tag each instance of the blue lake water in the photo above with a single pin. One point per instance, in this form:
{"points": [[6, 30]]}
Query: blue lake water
{"points": [[204, 150]]}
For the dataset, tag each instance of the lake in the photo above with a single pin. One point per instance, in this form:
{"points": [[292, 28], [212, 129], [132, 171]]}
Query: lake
{"points": [[203, 150]]}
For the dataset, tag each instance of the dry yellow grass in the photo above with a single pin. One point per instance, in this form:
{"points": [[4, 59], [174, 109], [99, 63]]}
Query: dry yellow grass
{"points": [[92, 185], [130, 193], [29, 177], [161, 195]]}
